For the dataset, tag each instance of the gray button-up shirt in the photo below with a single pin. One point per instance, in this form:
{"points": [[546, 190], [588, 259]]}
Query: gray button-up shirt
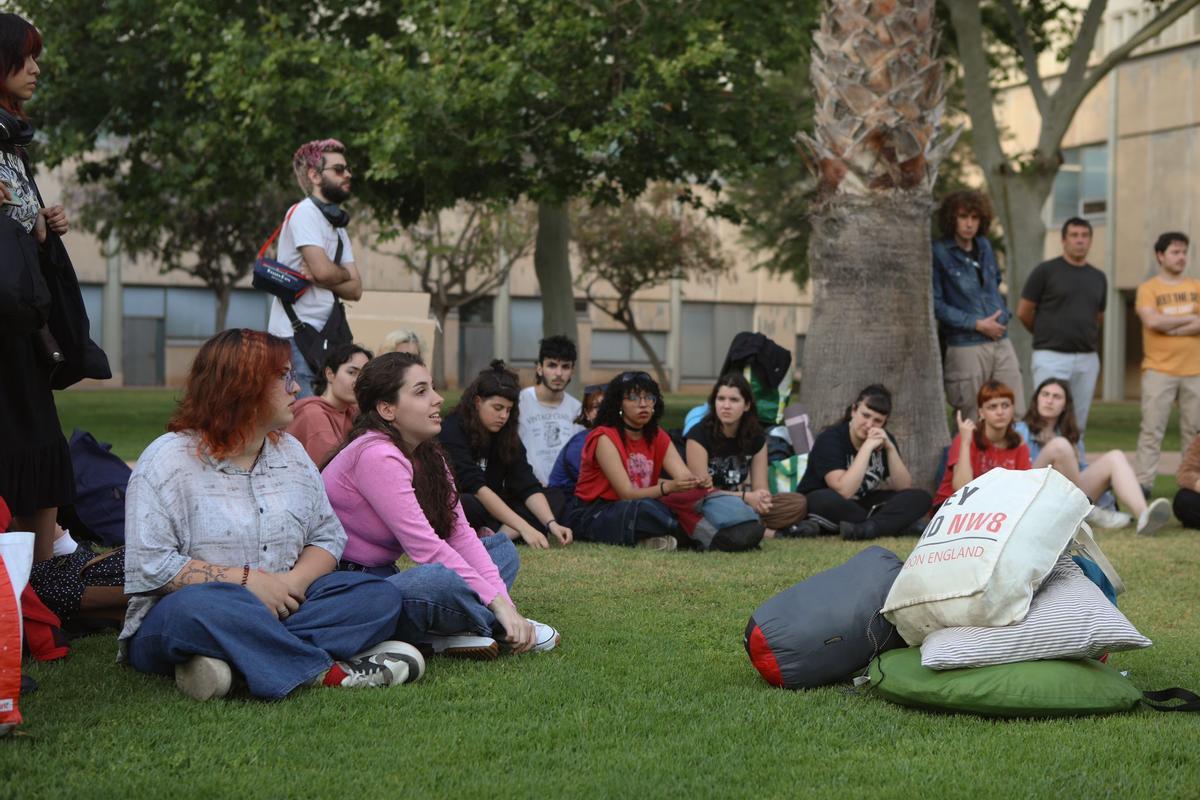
{"points": [[183, 505]]}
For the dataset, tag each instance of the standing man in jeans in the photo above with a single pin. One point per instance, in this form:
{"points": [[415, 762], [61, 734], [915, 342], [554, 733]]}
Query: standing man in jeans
{"points": [[969, 307], [314, 241], [1169, 307], [1063, 305]]}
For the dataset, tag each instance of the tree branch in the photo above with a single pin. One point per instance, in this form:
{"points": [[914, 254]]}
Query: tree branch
{"points": [[968, 29], [1029, 57]]}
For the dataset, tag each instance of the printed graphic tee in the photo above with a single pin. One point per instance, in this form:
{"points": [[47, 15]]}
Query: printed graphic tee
{"points": [[728, 465], [1173, 355], [832, 451], [544, 430]]}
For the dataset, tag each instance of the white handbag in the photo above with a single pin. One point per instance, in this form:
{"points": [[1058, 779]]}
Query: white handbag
{"points": [[985, 552]]}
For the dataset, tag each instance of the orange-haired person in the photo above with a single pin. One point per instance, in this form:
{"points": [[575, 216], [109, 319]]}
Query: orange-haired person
{"points": [[231, 545]]}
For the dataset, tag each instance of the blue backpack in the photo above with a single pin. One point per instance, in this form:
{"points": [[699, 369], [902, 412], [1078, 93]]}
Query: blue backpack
{"points": [[101, 478]]}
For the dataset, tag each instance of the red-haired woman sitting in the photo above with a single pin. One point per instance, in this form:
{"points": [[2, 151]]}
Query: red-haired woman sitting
{"points": [[231, 545], [976, 450]]}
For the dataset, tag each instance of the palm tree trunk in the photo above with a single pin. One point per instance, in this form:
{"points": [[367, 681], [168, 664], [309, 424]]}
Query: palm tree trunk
{"points": [[873, 322]]}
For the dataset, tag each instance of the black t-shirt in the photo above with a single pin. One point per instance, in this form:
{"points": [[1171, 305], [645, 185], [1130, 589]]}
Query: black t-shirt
{"points": [[832, 451], [727, 464], [1068, 300]]}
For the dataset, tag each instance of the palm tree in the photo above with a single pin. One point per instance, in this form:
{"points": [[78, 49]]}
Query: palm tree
{"points": [[879, 96]]}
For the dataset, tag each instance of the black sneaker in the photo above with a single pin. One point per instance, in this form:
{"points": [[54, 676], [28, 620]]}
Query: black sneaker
{"points": [[804, 529], [859, 531], [385, 664]]}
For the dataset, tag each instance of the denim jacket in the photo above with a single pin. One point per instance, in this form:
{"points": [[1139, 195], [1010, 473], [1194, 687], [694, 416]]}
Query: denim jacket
{"points": [[958, 299]]}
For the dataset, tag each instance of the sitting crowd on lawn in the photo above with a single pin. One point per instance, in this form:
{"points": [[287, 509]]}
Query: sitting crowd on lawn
{"points": [[263, 530]]}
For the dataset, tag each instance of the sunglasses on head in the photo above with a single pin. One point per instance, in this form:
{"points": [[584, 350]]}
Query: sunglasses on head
{"points": [[626, 377]]}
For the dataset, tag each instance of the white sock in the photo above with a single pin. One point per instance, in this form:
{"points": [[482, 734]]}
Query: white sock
{"points": [[65, 545]]}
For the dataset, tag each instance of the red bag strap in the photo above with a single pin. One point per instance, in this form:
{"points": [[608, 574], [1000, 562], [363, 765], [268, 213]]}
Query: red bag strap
{"points": [[275, 235]]}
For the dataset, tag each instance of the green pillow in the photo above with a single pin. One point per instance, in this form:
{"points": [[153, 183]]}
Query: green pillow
{"points": [[1023, 689]]}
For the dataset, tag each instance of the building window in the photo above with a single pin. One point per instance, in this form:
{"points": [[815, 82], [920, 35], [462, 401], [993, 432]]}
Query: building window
{"points": [[708, 328], [525, 329], [1081, 186], [619, 347]]}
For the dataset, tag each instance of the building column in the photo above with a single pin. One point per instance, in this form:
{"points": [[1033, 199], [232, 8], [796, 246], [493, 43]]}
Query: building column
{"points": [[675, 335], [502, 320], [113, 312], [1113, 342]]}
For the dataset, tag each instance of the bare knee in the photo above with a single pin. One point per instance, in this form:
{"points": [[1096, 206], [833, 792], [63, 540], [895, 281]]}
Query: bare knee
{"points": [[1059, 447]]}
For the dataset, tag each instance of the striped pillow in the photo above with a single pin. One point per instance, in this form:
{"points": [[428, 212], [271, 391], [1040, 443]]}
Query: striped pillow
{"points": [[1069, 618]]}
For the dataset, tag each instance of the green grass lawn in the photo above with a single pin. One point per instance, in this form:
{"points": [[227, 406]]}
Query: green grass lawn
{"points": [[649, 695]]}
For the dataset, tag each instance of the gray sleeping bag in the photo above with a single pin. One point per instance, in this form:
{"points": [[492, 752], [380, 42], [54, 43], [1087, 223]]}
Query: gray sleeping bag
{"points": [[816, 632]]}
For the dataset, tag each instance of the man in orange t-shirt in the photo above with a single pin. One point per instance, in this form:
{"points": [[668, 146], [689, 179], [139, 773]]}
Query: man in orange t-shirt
{"points": [[1169, 307]]}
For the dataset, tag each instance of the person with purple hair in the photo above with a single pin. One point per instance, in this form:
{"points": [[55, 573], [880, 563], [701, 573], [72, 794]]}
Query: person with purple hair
{"points": [[313, 241]]}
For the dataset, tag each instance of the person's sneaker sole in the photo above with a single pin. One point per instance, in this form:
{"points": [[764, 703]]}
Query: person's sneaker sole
{"points": [[204, 678], [1158, 515], [478, 648]]}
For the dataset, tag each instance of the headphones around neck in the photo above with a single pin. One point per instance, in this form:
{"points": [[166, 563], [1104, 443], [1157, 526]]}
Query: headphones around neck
{"points": [[337, 216], [14, 130]]}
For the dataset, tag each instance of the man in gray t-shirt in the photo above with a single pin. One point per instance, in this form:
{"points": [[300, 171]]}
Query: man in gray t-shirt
{"points": [[1063, 304]]}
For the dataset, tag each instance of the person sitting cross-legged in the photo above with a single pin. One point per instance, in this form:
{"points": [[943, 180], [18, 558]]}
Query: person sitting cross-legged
{"points": [[495, 481], [1053, 437], [619, 498], [729, 445], [391, 486], [856, 482], [231, 545], [565, 473]]}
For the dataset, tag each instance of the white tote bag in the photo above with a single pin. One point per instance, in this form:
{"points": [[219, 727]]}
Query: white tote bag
{"points": [[986, 552]]}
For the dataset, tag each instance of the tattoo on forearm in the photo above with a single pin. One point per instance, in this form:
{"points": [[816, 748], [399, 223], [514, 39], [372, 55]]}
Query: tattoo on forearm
{"points": [[198, 572]]}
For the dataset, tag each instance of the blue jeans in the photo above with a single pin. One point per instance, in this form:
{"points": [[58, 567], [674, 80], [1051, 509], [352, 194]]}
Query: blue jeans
{"points": [[343, 614], [435, 599], [304, 373]]}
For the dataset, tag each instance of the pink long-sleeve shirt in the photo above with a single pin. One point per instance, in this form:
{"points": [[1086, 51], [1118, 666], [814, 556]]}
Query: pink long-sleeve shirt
{"points": [[370, 486]]}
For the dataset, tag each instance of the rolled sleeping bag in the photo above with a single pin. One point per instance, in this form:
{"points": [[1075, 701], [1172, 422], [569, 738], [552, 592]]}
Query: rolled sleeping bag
{"points": [[827, 627]]}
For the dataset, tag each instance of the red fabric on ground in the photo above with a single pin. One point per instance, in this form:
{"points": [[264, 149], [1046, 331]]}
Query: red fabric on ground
{"points": [[762, 658]]}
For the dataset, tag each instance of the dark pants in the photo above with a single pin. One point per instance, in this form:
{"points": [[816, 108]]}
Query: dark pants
{"points": [[622, 522], [479, 517], [1187, 508], [343, 614], [893, 512]]}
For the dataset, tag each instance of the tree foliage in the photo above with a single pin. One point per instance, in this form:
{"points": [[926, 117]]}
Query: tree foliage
{"points": [[640, 245], [462, 255]]}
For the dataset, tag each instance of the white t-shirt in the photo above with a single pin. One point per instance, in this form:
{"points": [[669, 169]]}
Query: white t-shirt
{"points": [[545, 429], [307, 226]]}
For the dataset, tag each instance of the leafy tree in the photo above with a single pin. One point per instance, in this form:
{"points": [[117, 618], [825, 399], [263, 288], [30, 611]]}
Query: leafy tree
{"points": [[132, 98], [463, 255], [878, 91], [997, 38], [639, 245]]}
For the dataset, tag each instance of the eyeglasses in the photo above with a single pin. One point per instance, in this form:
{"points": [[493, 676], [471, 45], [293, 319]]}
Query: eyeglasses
{"points": [[289, 377], [642, 399], [340, 169]]}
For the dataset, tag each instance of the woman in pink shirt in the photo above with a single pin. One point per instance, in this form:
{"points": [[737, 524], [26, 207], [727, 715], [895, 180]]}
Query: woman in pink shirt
{"points": [[390, 485]]}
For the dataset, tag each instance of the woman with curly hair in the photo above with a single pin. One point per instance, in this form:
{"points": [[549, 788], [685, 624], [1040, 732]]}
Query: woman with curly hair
{"points": [[495, 481], [231, 545], [391, 486], [620, 493]]}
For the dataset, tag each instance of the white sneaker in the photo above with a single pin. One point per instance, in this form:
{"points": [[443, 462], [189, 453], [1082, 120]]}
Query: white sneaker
{"points": [[544, 637], [1105, 518], [203, 678], [385, 664], [1154, 518], [659, 543], [462, 645]]}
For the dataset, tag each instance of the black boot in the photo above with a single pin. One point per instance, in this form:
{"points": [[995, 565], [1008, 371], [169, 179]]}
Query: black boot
{"points": [[804, 529], [859, 531]]}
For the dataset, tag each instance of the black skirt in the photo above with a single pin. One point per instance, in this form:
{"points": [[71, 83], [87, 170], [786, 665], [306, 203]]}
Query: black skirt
{"points": [[35, 461]]}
